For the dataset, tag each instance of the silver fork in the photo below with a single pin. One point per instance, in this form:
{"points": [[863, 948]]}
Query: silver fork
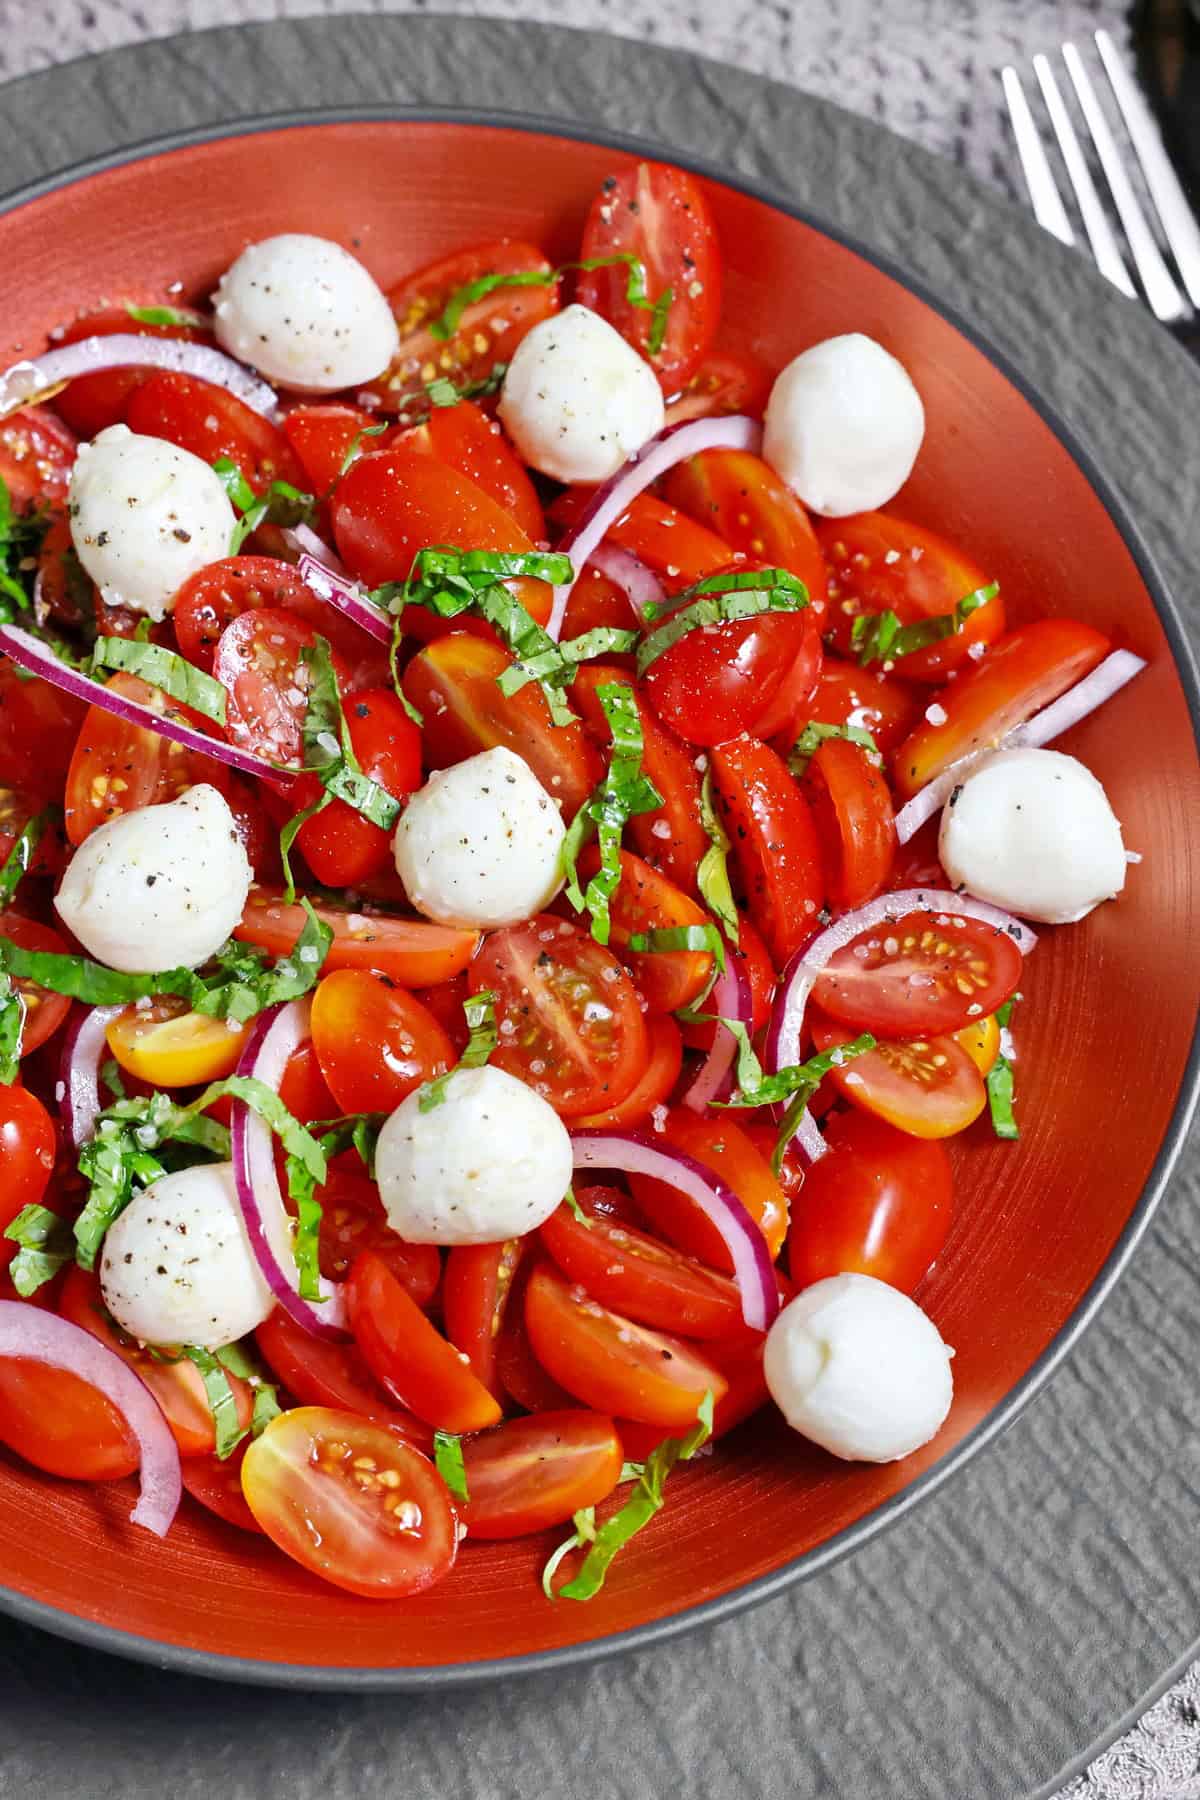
{"points": [[1159, 285]]}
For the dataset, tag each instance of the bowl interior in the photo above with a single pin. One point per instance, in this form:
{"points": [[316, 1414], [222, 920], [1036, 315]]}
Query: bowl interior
{"points": [[1104, 1033]]}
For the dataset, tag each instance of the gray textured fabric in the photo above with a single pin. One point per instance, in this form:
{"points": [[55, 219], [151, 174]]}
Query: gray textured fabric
{"points": [[976, 1650]]}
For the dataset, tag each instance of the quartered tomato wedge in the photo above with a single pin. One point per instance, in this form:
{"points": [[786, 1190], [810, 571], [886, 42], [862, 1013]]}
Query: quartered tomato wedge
{"points": [[168, 1045], [928, 1086], [62, 1424], [340, 846], [217, 1485], [852, 810], [212, 423], [465, 439], [656, 1085], [92, 402], [722, 1146], [644, 902], [375, 1042], [476, 1291], [738, 495], [351, 1501], [774, 840], [320, 1372], [726, 382], [37, 452], [44, 1010], [530, 1473], [637, 1275], [414, 952], [868, 699], [925, 973], [570, 1025], [353, 1220], [258, 659], [408, 1356]]}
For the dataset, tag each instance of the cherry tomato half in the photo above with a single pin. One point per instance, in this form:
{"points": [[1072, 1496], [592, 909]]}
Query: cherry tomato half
{"points": [[93, 401], [409, 1356], [217, 1485], [44, 1010], [852, 811], [722, 1146], [637, 1275], [775, 844], [530, 1473], [927, 1086], [168, 1045], [320, 1372], [62, 1424], [36, 455], [322, 437], [208, 601], [739, 496], [465, 439], [118, 767], [338, 844], [210, 422], [38, 726], [725, 382], [656, 1085], [646, 901], [258, 659], [867, 698], [413, 952], [27, 1149], [375, 1042], [476, 1291], [925, 973]]}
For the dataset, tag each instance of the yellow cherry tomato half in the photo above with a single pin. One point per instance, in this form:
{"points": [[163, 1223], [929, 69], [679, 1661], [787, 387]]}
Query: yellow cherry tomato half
{"points": [[169, 1046], [981, 1041]]}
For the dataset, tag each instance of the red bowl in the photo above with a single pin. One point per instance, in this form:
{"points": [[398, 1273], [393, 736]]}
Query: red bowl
{"points": [[1108, 1071]]}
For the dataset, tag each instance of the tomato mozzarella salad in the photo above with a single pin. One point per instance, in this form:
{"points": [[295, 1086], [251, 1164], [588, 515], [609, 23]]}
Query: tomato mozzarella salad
{"points": [[517, 856]]}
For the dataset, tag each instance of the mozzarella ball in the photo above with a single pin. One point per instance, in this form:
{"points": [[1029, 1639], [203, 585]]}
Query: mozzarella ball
{"points": [[177, 1266], [856, 1366], [160, 888], [479, 843], [843, 426], [491, 1161], [1032, 831], [577, 399], [144, 516], [306, 314]]}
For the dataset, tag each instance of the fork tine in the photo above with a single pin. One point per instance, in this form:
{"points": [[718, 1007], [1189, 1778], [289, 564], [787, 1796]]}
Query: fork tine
{"points": [[1095, 220], [1178, 219], [1166, 302], [1048, 208]]}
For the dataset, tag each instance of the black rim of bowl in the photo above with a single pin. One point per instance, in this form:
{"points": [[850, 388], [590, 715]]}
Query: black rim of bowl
{"points": [[164, 1654]]}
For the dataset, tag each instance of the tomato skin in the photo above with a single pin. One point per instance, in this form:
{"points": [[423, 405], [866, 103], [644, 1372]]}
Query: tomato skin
{"points": [[775, 844], [413, 952], [209, 422], [1024, 671], [302, 1087], [118, 767], [258, 659], [849, 695], [409, 1356], [312, 1480], [44, 1010], [927, 973], [527, 1474], [476, 1290], [465, 439], [375, 1042], [856, 823], [981, 1041], [321, 437], [661, 215], [726, 381], [16, 810], [646, 901], [929, 1087], [877, 1203], [38, 725], [320, 1372], [739, 496], [656, 1085], [36, 454], [353, 1219], [211, 599], [882, 564], [338, 844], [723, 1147], [167, 1045], [217, 1485], [595, 601], [638, 1276], [611, 1363], [453, 685], [92, 402], [28, 1145], [548, 976], [755, 959], [680, 551], [61, 1424], [790, 707]]}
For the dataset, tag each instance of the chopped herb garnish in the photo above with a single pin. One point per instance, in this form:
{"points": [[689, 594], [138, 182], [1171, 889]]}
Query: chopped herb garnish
{"points": [[742, 594], [279, 504], [576, 1211], [21, 537], [880, 637], [449, 319], [624, 791], [712, 877], [19, 859], [817, 732], [12, 1024], [481, 1024], [448, 1460], [354, 448], [178, 316], [794, 1085], [45, 1246], [665, 940], [164, 669], [999, 1081], [222, 1403]]}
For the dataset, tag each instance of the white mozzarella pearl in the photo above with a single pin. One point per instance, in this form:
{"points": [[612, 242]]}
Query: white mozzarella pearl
{"points": [[479, 843], [492, 1161], [1032, 831], [843, 426], [577, 399], [160, 888], [856, 1366], [145, 515], [177, 1266], [306, 314]]}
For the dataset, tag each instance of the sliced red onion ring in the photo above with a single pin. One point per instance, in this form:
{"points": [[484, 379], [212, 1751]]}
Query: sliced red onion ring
{"points": [[638, 1154], [45, 1338], [349, 598], [24, 382], [275, 1035], [1105, 680], [32, 654], [796, 984], [674, 445], [639, 584], [79, 1071], [730, 999], [305, 542]]}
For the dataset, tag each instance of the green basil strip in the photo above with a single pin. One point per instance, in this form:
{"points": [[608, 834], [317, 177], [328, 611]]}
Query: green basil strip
{"points": [[718, 599], [165, 670], [999, 1082], [817, 732], [21, 536], [303, 1174], [449, 319], [355, 447], [481, 1022], [45, 1246], [796, 1084], [448, 1460], [179, 316], [222, 1403], [19, 859], [12, 1025], [279, 504], [712, 876], [266, 1394], [667, 939], [624, 791], [880, 637]]}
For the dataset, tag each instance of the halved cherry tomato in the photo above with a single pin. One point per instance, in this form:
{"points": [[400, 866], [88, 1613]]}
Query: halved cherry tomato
{"points": [[170, 1046], [339, 845], [488, 332], [467, 440], [38, 725], [476, 1290], [36, 455], [727, 381], [302, 1088], [790, 707], [637, 1275], [880, 564], [208, 601], [570, 1025], [759, 970], [775, 844], [322, 437], [1020, 674], [62, 1424], [353, 1220], [210, 422], [414, 952], [453, 685], [660, 215], [44, 1010], [723, 1147], [739, 496], [28, 1143], [656, 1085], [409, 1356], [925, 973], [259, 662], [612, 1363], [351, 1501], [522, 1377], [530, 1473], [856, 823], [92, 402], [928, 1086], [646, 901], [118, 767], [446, 1001], [877, 1203], [981, 1041], [849, 695], [375, 1042], [596, 601], [680, 551], [217, 1485], [320, 1372]]}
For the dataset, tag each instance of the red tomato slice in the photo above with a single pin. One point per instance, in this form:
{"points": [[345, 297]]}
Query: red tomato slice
{"points": [[756, 962], [44, 1010], [790, 707], [210, 600], [28, 1145], [118, 767], [36, 456], [453, 685], [353, 1220], [725, 382], [522, 1377], [926, 973], [595, 601], [352, 1502], [258, 660], [849, 695], [409, 1356], [655, 1086], [1025, 671], [322, 437], [303, 1090], [723, 1147], [217, 1485], [880, 564], [570, 1025], [375, 1042], [528, 1474], [476, 1290], [660, 215], [739, 496], [93, 401], [775, 844], [38, 725], [446, 1002], [61, 1424], [878, 1203], [322, 1373], [413, 952], [680, 551], [338, 844], [928, 1087], [465, 439], [637, 1275], [852, 811], [210, 422], [646, 901]]}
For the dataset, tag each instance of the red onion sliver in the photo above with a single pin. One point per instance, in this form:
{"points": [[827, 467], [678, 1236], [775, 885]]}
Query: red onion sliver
{"points": [[32, 654], [350, 599], [730, 999], [674, 445], [305, 542], [639, 584], [808, 1137], [273, 1037], [21, 384], [796, 984], [1105, 680], [635, 1153], [45, 1338], [79, 1071]]}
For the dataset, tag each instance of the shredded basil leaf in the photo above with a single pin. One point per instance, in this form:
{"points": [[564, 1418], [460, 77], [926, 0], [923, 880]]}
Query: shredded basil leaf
{"points": [[166, 670], [481, 1022], [448, 1460], [817, 732], [266, 1394], [19, 859], [279, 504], [712, 876], [449, 319], [354, 448], [110, 1076], [45, 1246], [12, 1025], [304, 1174], [742, 594], [21, 537], [624, 791], [796, 1084], [665, 939], [222, 1404], [165, 315], [880, 637], [576, 1211], [999, 1082]]}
